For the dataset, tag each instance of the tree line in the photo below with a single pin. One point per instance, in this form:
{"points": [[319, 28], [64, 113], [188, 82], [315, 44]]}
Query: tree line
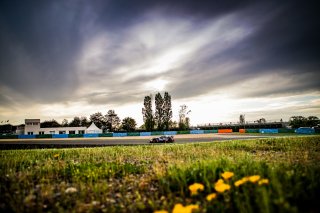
{"points": [[109, 122], [300, 121]]}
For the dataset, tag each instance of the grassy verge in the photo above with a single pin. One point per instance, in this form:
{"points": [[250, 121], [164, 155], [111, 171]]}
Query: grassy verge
{"points": [[148, 178]]}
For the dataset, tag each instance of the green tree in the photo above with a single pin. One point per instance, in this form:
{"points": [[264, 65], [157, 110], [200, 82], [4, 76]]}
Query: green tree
{"points": [[313, 121], [50, 123], [75, 122], [173, 124], [167, 110], [261, 121], [298, 121], [84, 122], [64, 123], [129, 124], [98, 119], [159, 112], [147, 113], [242, 119], [112, 121]]}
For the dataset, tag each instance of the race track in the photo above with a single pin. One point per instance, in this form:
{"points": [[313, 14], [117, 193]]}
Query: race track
{"points": [[114, 141]]}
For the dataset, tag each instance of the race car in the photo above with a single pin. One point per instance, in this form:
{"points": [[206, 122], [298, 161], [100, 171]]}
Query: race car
{"points": [[162, 139]]}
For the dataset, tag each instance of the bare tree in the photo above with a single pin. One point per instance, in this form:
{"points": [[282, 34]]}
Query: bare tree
{"points": [[184, 121]]}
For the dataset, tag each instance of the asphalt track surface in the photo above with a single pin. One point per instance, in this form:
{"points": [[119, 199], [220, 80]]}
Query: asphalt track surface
{"points": [[114, 141]]}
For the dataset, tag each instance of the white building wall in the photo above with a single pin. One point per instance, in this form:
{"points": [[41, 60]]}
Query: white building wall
{"points": [[66, 130], [32, 126]]}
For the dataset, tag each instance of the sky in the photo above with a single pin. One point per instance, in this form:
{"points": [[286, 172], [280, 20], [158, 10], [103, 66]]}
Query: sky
{"points": [[65, 58]]}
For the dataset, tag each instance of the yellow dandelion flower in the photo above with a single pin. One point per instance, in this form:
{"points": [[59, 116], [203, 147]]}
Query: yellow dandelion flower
{"points": [[161, 211], [239, 183], [245, 179], [227, 175], [179, 208], [211, 196], [263, 181], [56, 155], [220, 181], [194, 188], [192, 207], [254, 178], [220, 186]]}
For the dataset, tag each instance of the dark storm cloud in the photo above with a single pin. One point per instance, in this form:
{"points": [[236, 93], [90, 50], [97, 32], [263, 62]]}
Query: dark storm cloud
{"points": [[286, 42], [42, 41], [39, 41]]}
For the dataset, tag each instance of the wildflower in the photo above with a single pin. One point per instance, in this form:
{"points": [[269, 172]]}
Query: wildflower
{"points": [[254, 178], [179, 208], [220, 186], [220, 181], [161, 211], [56, 156], [239, 182], [195, 187], [263, 181], [211, 196], [71, 190], [227, 175]]}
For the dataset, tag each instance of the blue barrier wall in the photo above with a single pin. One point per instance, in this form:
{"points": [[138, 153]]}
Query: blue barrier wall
{"points": [[197, 131], [305, 130], [119, 134], [268, 131], [26, 136], [60, 136], [145, 133], [91, 135], [170, 132]]}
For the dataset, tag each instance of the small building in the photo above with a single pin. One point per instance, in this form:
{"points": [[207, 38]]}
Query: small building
{"points": [[32, 127]]}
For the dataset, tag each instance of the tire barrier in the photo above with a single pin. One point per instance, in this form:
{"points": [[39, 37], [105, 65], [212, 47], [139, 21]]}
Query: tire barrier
{"points": [[8, 136], [242, 131], [268, 131], [75, 136], [224, 130], [197, 131], [106, 134], [145, 133], [157, 133], [26, 136], [305, 130], [120, 134], [210, 131], [133, 133], [183, 132], [284, 130], [252, 130], [170, 132], [44, 136], [60, 136], [91, 135]]}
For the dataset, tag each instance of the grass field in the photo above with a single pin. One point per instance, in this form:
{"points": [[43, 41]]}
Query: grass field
{"points": [[276, 175]]}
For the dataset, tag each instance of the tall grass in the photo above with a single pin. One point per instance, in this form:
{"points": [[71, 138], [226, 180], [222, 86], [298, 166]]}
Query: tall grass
{"points": [[148, 178]]}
